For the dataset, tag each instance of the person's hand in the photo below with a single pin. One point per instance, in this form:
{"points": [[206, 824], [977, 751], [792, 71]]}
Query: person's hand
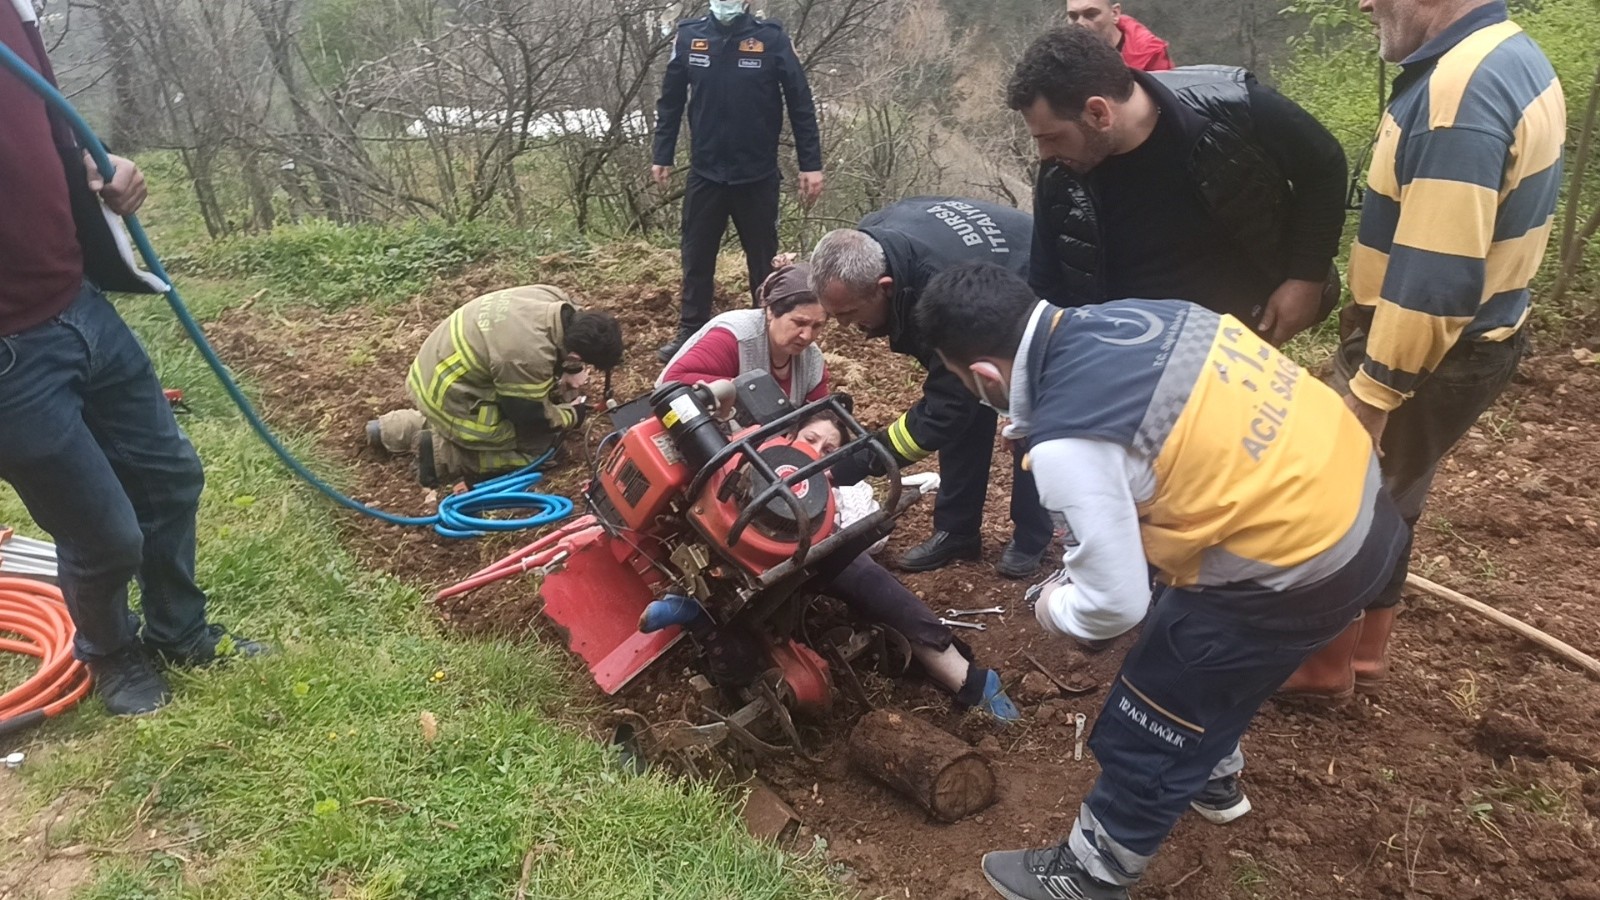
{"points": [[126, 192], [1291, 309], [1373, 419], [1057, 579], [810, 188], [574, 381], [925, 482], [579, 407], [860, 463], [784, 259], [660, 174]]}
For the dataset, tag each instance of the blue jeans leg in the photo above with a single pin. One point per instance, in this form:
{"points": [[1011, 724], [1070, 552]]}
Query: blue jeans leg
{"points": [[93, 450]]}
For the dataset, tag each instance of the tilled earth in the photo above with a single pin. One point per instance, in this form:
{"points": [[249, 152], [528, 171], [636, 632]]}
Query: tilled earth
{"points": [[1476, 774]]}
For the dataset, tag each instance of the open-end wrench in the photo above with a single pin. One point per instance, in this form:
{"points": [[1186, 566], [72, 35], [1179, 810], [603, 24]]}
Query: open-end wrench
{"points": [[991, 611], [957, 623], [1077, 744]]}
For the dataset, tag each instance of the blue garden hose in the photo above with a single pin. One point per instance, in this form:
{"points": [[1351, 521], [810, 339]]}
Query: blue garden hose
{"points": [[457, 517]]}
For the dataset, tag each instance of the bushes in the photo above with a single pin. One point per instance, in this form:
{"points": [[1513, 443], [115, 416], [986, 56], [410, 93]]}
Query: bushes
{"points": [[330, 266]]}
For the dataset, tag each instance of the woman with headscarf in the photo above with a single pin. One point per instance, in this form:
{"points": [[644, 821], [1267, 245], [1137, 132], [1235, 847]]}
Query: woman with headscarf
{"points": [[779, 335]]}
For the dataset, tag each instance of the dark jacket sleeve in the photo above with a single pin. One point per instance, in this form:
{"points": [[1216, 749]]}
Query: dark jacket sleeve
{"points": [[942, 413], [802, 110], [536, 416], [1311, 158], [669, 108], [1044, 269]]}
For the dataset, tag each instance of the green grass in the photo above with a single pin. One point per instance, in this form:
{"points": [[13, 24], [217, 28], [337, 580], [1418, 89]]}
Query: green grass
{"points": [[308, 774]]}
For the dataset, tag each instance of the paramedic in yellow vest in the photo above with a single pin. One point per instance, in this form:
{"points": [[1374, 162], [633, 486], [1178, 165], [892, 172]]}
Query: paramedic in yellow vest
{"points": [[497, 383], [1173, 439]]}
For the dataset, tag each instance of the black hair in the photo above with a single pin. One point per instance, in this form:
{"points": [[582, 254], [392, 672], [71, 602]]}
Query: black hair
{"points": [[975, 310], [1066, 67], [596, 337]]}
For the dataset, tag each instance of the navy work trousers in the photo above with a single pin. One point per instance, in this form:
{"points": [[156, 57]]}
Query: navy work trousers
{"points": [[1202, 667], [89, 442], [707, 207]]}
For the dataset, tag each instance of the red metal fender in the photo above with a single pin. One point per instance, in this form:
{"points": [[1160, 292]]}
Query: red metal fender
{"points": [[596, 596], [807, 676]]}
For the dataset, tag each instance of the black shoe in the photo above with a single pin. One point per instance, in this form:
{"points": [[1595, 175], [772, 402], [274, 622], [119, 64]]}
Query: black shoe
{"points": [[1048, 874], [667, 351], [1016, 564], [214, 645], [1222, 801], [939, 551], [427, 474], [128, 683]]}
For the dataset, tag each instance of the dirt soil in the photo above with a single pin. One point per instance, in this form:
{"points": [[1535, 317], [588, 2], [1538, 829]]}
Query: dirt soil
{"points": [[1476, 774]]}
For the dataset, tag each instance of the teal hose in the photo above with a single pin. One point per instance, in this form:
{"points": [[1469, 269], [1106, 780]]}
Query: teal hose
{"points": [[457, 514]]}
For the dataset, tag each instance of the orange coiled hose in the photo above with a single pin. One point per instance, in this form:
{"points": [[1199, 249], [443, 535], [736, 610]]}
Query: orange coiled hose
{"points": [[37, 614]]}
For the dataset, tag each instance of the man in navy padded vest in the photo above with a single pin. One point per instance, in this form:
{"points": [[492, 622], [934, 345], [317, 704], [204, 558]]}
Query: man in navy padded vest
{"points": [[737, 74]]}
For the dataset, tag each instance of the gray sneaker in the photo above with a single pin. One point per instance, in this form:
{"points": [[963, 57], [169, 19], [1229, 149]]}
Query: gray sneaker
{"points": [[1051, 873], [1221, 801]]}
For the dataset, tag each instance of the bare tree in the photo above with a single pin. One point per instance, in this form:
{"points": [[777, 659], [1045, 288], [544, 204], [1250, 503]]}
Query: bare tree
{"points": [[1578, 227]]}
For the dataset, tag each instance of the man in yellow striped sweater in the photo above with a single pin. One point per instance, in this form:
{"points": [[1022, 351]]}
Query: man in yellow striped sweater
{"points": [[1458, 208], [496, 383]]}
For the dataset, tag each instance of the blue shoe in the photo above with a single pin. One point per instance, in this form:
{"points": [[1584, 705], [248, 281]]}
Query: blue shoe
{"points": [[673, 609], [983, 692], [996, 703]]}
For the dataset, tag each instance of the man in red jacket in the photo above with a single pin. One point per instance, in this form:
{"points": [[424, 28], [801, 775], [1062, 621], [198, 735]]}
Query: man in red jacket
{"points": [[1139, 46]]}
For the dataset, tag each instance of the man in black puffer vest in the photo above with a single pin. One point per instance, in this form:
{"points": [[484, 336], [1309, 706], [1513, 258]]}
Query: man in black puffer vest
{"points": [[1195, 184]]}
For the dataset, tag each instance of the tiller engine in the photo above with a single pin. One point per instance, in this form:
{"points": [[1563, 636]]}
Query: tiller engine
{"points": [[710, 527]]}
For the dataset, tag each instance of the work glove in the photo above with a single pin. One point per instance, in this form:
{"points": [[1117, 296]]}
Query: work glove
{"points": [[925, 482], [863, 462], [579, 410]]}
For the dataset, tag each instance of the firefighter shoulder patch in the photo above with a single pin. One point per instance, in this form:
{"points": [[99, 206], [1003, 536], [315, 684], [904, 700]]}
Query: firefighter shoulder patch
{"points": [[751, 45], [699, 44]]}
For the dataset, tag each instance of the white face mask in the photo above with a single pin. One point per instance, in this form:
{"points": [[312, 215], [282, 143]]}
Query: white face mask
{"points": [[1003, 407], [726, 10]]}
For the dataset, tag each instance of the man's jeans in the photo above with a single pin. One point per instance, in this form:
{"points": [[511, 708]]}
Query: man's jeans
{"points": [[1425, 428], [89, 442]]}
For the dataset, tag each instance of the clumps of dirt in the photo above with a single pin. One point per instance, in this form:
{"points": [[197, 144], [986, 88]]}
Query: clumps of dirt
{"points": [[1471, 776], [33, 864]]}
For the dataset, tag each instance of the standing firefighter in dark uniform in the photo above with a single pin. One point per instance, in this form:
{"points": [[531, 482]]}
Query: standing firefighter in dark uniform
{"points": [[871, 277], [736, 73]]}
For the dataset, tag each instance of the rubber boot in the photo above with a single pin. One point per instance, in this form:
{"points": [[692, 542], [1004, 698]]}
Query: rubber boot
{"points": [[1328, 673], [1371, 663]]}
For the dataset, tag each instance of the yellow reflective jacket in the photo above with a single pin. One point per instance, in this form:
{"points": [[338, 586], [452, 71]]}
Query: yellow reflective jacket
{"points": [[506, 344]]}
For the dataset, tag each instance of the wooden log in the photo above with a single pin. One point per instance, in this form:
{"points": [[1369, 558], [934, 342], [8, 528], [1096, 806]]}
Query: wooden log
{"points": [[945, 775]]}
